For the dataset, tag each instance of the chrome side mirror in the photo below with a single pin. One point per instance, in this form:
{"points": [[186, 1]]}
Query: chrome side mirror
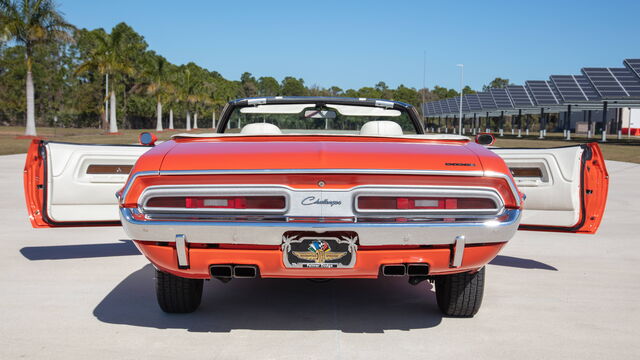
{"points": [[485, 139], [147, 139]]}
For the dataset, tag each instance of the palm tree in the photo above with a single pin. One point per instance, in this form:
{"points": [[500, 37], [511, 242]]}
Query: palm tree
{"points": [[29, 23], [158, 86], [109, 57], [189, 92]]}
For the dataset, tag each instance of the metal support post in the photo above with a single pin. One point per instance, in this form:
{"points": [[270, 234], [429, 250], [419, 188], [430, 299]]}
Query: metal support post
{"points": [[604, 121]]}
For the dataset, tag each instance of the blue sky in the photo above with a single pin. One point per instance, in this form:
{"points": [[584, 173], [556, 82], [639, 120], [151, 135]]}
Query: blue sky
{"points": [[353, 44]]}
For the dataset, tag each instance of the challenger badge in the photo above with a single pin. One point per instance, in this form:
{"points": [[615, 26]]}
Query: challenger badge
{"points": [[319, 252]]}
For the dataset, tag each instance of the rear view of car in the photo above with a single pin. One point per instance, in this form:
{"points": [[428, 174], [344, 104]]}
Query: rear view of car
{"points": [[320, 188]]}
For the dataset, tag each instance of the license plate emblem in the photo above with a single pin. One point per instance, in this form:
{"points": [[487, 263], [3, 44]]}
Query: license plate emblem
{"points": [[319, 252]]}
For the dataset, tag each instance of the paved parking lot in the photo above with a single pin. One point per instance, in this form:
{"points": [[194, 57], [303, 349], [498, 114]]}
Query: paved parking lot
{"points": [[79, 293]]}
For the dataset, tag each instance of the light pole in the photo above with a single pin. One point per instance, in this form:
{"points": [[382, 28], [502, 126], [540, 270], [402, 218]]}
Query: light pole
{"points": [[424, 81], [461, 88]]}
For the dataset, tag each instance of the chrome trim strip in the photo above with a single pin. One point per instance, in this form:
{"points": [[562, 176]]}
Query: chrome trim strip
{"points": [[431, 192], [257, 101], [475, 173], [131, 180], [348, 196], [323, 171], [384, 104], [509, 180], [496, 230], [214, 191]]}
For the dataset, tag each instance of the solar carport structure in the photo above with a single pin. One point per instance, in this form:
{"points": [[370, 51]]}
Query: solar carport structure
{"points": [[593, 89]]}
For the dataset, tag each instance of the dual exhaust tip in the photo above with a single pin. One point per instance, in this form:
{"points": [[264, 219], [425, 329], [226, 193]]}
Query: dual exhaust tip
{"points": [[226, 271], [234, 271], [405, 270]]}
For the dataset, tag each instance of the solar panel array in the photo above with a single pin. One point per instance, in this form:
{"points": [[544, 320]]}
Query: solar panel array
{"points": [[465, 107], [629, 81], [633, 65], [501, 98], [486, 101], [587, 87], [437, 108], [453, 107], [444, 106], [431, 108], [473, 102], [568, 87], [520, 98], [541, 92], [613, 83], [593, 86]]}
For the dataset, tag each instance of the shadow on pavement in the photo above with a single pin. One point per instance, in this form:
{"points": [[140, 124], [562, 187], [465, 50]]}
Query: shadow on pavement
{"points": [[349, 305], [62, 252], [126, 248], [502, 260]]}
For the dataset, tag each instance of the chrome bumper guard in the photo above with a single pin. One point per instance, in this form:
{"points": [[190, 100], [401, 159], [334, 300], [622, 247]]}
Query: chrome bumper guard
{"points": [[493, 230]]}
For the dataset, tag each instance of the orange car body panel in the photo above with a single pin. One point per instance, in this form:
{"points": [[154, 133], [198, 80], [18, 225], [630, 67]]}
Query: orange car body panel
{"points": [[320, 152], [33, 181]]}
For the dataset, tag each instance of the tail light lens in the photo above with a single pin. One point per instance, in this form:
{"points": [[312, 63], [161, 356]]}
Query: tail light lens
{"points": [[219, 202], [422, 203]]}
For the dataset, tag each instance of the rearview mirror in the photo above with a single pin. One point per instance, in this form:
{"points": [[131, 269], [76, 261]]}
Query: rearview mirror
{"points": [[320, 114], [147, 139], [485, 139]]}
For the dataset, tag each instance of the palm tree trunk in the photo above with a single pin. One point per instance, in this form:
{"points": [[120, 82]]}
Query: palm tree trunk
{"points": [[113, 125], [171, 119], [188, 121], [195, 120], [159, 115], [31, 111], [105, 119], [213, 120]]}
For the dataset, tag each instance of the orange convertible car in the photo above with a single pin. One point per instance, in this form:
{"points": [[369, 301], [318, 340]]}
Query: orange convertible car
{"points": [[317, 187]]}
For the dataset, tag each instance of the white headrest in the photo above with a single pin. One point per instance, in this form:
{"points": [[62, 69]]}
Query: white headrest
{"points": [[382, 127], [260, 129]]}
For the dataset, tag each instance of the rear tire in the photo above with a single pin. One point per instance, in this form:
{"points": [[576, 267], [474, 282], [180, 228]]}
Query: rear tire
{"points": [[460, 295], [176, 294]]}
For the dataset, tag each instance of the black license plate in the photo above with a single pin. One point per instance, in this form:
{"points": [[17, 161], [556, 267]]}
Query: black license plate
{"points": [[319, 252]]}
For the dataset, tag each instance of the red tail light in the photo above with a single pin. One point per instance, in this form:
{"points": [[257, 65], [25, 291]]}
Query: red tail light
{"points": [[219, 202], [422, 203]]}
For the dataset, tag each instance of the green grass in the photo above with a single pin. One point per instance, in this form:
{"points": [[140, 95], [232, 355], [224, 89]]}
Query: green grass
{"points": [[10, 144], [620, 150]]}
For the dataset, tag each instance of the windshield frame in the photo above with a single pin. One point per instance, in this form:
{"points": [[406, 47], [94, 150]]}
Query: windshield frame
{"points": [[229, 108]]}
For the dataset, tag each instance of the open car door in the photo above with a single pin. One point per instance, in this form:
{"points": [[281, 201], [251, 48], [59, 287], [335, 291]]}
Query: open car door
{"points": [[565, 187], [75, 184]]}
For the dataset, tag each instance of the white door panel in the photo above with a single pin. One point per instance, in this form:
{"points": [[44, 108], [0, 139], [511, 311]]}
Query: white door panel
{"points": [[550, 179], [82, 180]]}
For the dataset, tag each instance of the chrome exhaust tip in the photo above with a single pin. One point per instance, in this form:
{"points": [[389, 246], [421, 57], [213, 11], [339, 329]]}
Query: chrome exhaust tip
{"points": [[244, 271], [221, 271], [417, 269], [394, 270]]}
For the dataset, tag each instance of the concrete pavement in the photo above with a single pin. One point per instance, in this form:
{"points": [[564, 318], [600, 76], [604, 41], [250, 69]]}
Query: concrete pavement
{"points": [[78, 293]]}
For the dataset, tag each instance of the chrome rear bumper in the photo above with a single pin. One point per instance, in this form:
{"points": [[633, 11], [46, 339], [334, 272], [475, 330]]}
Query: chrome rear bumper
{"points": [[496, 230]]}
